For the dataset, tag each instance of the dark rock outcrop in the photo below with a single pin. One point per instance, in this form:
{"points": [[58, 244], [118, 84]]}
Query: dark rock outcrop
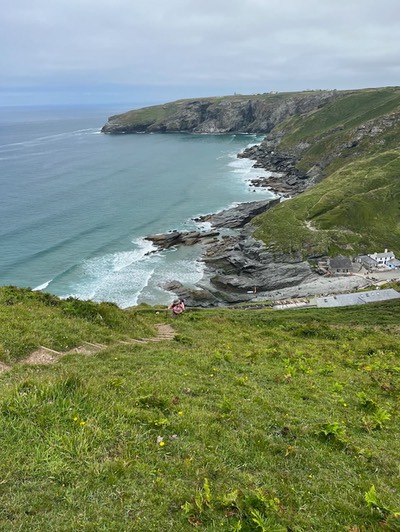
{"points": [[240, 215], [199, 297], [286, 179], [237, 265], [187, 238], [241, 266]]}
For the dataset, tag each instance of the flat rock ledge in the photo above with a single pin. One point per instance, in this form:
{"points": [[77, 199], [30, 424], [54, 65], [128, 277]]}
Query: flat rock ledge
{"points": [[239, 215]]}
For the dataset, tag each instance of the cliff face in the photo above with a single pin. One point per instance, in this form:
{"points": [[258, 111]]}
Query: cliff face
{"points": [[244, 114]]}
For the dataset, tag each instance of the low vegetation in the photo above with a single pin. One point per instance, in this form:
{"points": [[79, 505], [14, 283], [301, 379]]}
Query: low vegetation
{"points": [[247, 420]]}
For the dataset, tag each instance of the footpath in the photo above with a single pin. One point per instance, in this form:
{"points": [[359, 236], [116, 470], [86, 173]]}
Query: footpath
{"points": [[45, 355]]}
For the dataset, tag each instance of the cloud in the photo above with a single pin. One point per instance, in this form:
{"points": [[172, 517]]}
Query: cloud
{"points": [[252, 45]]}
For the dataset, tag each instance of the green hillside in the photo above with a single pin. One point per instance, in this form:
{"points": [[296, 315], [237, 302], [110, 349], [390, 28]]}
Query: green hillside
{"points": [[356, 207], [246, 420]]}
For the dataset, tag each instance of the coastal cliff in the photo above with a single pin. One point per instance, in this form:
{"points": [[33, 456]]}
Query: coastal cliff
{"points": [[229, 114]]}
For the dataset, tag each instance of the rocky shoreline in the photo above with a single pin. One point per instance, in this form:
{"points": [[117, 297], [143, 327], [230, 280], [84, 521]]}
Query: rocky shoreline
{"points": [[285, 179], [239, 268]]}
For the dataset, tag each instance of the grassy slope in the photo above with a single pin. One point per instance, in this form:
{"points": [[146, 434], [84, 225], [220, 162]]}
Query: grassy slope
{"points": [[29, 320], [357, 206], [329, 127], [285, 419]]}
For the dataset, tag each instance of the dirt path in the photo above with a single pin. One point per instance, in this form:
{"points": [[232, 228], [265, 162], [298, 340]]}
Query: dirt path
{"points": [[45, 355]]}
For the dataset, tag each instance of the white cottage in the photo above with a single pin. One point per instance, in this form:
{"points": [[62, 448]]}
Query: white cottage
{"points": [[382, 258]]}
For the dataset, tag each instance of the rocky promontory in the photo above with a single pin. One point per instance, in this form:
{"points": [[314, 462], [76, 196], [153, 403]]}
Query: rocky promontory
{"points": [[258, 113]]}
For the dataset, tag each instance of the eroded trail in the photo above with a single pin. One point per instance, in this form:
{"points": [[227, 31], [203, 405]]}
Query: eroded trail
{"points": [[45, 355]]}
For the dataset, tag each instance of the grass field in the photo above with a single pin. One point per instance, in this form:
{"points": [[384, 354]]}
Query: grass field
{"points": [[247, 420]]}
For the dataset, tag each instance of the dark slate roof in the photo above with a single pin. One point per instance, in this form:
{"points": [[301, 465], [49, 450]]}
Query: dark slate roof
{"points": [[340, 263], [365, 259]]}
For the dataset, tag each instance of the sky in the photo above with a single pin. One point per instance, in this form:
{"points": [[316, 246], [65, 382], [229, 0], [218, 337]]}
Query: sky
{"points": [[153, 51]]}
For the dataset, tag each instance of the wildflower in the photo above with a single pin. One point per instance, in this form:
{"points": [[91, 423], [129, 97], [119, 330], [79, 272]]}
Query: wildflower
{"points": [[180, 413], [75, 418], [162, 443], [82, 423]]}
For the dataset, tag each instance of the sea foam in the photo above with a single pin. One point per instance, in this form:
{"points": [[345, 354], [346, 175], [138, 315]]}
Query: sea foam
{"points": [[42, 286]]}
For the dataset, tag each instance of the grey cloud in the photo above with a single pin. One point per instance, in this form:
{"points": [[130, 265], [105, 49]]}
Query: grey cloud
{"points": [[251, 44]]}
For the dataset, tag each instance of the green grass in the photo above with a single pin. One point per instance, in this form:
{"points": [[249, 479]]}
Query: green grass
{"points": [[248, 420], [147, 115]]}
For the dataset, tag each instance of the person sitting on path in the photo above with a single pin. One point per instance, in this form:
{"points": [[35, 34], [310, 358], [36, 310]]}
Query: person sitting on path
{"points": [[177, 307]]}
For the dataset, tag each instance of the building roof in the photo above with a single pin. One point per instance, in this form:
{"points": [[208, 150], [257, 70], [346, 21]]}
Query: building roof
{"points": [[340, 262], [357, 298], [394, 262], [365, 259]]}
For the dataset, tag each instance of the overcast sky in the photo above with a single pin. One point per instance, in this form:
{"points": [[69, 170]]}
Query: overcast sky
{"points": [[69, 51]]}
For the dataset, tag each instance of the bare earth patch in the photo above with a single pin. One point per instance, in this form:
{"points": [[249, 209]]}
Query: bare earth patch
{"points": [[43, 356]]}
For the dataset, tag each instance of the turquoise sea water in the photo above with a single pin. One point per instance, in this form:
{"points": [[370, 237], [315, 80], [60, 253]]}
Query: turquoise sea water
{"points": [[75, 204]]}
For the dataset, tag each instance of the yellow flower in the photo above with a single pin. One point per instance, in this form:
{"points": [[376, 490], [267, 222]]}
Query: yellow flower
{"points": [[75, 418], [82, 423], [180, 413], [162, 443]]}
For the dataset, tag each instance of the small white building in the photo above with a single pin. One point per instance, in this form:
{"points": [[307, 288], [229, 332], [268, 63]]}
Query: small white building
{"points": [[382, 258]]}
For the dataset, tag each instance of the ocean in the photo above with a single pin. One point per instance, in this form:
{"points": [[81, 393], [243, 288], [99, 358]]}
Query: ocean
{"points": [[75, 204]]}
